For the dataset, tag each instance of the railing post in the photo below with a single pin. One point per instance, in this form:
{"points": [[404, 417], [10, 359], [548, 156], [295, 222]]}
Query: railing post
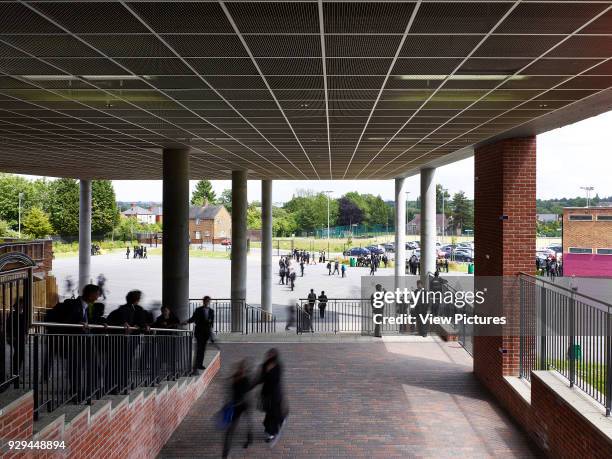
{"points": [[35, 371], [522, 308], [543, 350], [608, 341], [572, 338]]}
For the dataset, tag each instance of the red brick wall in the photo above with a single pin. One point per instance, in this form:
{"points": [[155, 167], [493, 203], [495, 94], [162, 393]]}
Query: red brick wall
{"points": [[137, 428], [505, 234], [561, 430], [595, 234]]}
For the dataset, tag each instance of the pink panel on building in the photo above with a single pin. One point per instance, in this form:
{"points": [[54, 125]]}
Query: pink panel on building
{"points": [[585, 265]]}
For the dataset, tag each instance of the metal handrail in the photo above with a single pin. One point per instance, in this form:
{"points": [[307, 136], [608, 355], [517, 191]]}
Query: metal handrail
{"points": [[565, 289], [338, 299], [106, 327]]}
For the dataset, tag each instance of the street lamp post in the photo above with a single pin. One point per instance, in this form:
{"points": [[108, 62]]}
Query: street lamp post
{"points": [[588, 190], [444, 190], [19, 224], [327, 192]]}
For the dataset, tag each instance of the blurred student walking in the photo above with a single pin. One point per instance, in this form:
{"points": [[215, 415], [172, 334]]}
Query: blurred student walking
{"points": [[272, 400], [240, 403]]}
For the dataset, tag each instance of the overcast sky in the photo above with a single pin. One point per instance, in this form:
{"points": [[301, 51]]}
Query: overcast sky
{"points": [[568, 158]]}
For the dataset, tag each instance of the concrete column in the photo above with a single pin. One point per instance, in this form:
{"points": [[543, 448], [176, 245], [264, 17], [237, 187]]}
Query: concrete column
{"points": [[84, 233], [175, 241], [400, 229], [428, 223], [266, 245], [239, 247]]}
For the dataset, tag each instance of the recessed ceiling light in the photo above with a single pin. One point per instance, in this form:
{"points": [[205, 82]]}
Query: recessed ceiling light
{"points": [[111, 77], [498, 77], [49, 77]]}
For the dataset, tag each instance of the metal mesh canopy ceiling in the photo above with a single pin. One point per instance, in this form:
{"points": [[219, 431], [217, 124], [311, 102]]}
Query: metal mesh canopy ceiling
{"points": [[288, 90]]}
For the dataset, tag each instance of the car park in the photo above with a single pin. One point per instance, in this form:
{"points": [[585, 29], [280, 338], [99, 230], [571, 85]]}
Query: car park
{"points": [[357, 252]]}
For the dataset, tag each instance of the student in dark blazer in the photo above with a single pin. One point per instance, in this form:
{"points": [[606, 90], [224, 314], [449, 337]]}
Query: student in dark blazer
{"points": [[204, 319]]}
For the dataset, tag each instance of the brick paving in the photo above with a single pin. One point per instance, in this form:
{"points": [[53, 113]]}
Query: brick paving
{"points": [[347, 400]]}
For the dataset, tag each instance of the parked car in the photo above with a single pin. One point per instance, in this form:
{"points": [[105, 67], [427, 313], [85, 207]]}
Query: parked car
{"points": [[376, 249], [226, 242], [357, 252], [411, 246], [464, 256], [389, 247]]}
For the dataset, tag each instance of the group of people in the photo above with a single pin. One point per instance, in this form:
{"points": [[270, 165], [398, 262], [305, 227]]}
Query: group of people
{"points": [[414, 266], [287, 272], [140, 251], [338, 268], [549, 267], [303, 256], [442, 264]]}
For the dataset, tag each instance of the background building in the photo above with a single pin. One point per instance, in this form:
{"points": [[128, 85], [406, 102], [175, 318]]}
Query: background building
{"points": [[587, 241], [209, 224], [141, 214]]}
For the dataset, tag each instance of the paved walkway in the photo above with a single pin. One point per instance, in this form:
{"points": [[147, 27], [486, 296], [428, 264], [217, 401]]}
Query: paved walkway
{"points": [[382, 400]]}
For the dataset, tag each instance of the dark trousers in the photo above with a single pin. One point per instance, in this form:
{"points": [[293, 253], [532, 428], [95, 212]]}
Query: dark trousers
{"points": [[322, 312], [239, 410], [200, 350], [274, 418]]}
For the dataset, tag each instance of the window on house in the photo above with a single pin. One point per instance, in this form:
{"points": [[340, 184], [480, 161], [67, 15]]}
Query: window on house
{"points": [[604, 218], [604, 251], [580, 250], [197, 221], [581, 218], [198, 235]]}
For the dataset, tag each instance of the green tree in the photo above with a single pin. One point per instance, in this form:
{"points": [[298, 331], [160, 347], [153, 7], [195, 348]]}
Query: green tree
{"points": [[283, 222], [10, 188], [310, 210], [462, 212], [253, 216], [36, 223], [6, 231], [226, 199], [203, 193], [127, 228], [64, 206], [104, 212]]}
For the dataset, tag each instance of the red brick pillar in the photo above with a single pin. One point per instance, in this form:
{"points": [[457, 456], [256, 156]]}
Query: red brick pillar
{"points": [[505, 232]]}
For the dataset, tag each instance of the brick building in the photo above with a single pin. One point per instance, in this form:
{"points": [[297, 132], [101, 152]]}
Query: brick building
{"points": [[209, 224], [587, 241]]}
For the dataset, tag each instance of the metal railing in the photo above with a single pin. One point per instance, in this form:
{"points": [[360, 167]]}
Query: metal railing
{"points": [[568, 332], [335, 315], [247, 318], [464, 333], [256, 320], [70, 364]]}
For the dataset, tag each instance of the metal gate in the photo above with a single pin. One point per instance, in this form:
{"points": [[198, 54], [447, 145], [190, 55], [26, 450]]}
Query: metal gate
{"points": [[15, 314], [343, 315]]}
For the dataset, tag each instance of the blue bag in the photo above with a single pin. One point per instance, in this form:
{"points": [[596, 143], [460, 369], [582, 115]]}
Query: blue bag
{"points": [[224, 416]]}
